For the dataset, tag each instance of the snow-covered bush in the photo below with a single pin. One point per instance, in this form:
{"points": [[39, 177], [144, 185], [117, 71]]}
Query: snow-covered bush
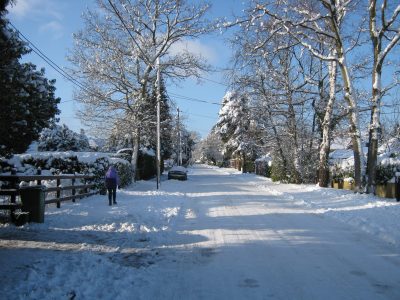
{"points": [[53, 163], [386, 173], [340, 172], [61, 138]]}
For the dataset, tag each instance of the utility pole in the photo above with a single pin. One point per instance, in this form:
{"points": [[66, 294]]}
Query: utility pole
{"points": [[180, 141], [158, 160]]}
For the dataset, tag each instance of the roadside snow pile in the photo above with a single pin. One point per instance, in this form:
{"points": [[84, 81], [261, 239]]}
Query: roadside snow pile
{"points": [[377, 216]]}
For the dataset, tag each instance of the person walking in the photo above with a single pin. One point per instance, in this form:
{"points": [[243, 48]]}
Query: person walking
{"points": [[112, 182]]}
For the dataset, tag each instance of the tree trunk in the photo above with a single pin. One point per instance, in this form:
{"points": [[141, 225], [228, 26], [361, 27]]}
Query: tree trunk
{"points": [[278, 142], [135, 154], [244, 166], [359, 165], [323, 173], [374, 130], [374, 126]]}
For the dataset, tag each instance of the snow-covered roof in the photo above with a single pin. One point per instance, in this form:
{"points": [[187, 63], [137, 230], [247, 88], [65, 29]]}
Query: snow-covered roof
{"points": [[124, 150], [341, 154]]}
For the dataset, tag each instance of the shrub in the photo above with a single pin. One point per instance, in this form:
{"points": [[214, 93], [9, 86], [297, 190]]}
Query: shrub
{"points": [[385, 173], [125, 173], [249, 166], [146, 166], [278, 173]]}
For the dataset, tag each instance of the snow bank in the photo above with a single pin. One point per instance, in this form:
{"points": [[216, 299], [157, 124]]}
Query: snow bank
{"points": [[372, 214]]}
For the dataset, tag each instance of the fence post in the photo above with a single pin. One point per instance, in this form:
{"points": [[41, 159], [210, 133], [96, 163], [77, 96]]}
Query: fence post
{"points": [[58, 192], [39, 172], [14, 185], [73, 190], [86, 190], [397, 186]]}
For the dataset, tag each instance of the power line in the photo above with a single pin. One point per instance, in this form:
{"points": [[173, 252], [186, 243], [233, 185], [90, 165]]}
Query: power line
{"points": [[68, 77], [48, 60], [210, 80], [56, 67], [202, 116], [193, 99]]}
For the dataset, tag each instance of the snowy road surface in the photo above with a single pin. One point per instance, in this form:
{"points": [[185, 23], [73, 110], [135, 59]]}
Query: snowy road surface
{"points": [[219, 235]]}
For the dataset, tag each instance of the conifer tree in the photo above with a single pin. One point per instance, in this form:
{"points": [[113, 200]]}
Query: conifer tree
{"points": [[150, 135], [27, 100]]}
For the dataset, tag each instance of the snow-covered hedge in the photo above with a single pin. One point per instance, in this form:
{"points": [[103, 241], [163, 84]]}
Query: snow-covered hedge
{"points": [[52, 163]]}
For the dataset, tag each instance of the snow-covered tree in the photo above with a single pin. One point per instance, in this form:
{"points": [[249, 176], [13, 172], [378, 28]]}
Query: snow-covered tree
{"points": [[237, 127], [384, 28], [61, 138], [317, 26], [115, 56], [27, 98], [209, 150]]}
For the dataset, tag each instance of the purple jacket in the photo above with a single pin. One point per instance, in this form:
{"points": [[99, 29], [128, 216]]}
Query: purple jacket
{"points": [[112, 178]]}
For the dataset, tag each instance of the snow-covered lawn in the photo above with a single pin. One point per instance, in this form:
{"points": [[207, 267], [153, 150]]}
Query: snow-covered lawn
{"points": [[219, 235]]}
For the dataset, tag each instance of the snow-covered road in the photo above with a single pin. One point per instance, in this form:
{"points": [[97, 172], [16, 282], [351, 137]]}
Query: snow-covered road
{"points": [[219, 235]]}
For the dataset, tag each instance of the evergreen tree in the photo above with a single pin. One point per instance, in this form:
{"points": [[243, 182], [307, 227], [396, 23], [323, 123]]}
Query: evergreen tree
{"points": [[61, 138], [27, 100], [238, 128], [149, 134]]}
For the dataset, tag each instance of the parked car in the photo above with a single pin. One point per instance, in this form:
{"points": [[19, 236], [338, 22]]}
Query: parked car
{"points": [[177, 172]]}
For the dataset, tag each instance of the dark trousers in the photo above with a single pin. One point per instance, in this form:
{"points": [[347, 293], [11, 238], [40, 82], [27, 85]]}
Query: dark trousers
{"points": [[112, 192]]}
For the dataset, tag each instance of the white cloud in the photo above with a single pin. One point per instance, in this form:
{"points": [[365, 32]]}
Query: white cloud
{"points": [[195, 47], [35, 9], [54, 27], [45, 13], [21, 8]]}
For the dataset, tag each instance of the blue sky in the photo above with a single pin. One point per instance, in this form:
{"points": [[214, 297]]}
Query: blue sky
{"points": [[49, 24]]}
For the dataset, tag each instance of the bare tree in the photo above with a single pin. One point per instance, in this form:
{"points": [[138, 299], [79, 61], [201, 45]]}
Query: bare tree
{"points": [[384, 37], [312, 23], [115, 56], [285, 77]]}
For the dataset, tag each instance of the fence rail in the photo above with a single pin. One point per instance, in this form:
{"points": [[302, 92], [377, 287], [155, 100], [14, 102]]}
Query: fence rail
{"points": [[12, 189]]}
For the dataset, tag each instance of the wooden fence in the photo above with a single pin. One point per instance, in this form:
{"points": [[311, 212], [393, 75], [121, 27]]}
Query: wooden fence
{"points": [[77, 191]]}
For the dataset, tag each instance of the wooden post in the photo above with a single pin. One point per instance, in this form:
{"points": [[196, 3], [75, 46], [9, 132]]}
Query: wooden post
{"points": [[58, 193], [39, 172], [73, 190], [14, 185], [86, 190]]}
